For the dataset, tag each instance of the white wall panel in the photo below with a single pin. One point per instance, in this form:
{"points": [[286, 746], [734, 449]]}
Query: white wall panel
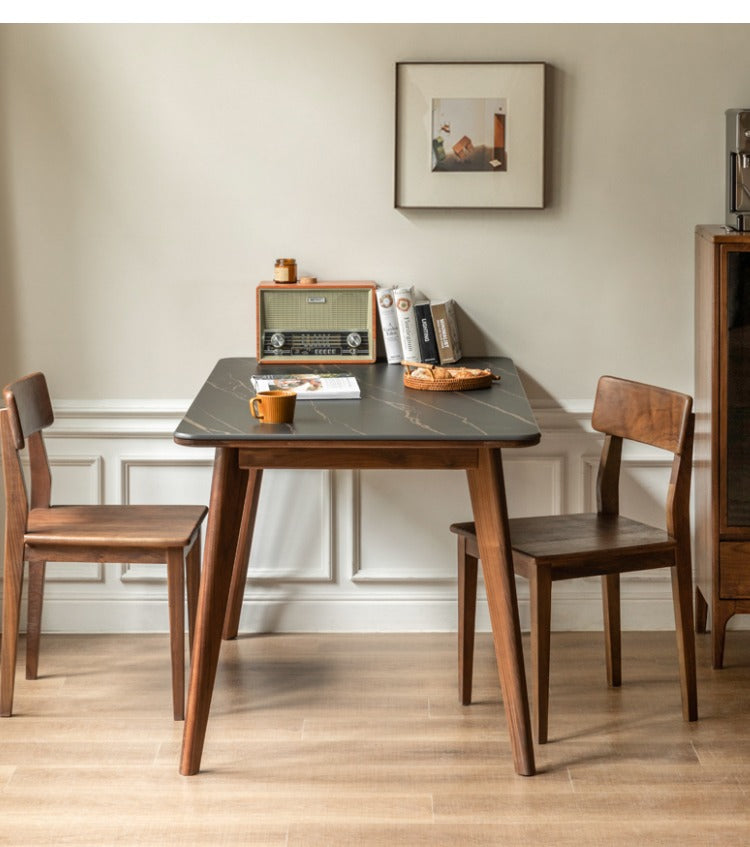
{"points": [[414, 509], [75, 480], [403, 520], [293, 528], [153, 481], [534, 483], [344, 550]]}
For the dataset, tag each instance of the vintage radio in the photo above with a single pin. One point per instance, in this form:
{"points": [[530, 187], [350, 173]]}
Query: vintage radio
{"points": [[331, 322]]}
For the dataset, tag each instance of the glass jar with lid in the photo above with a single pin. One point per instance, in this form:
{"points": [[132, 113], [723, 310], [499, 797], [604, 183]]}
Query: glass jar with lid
{"points": [[285, 271]]}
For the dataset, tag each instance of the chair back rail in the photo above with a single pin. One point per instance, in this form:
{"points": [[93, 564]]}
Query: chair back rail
{"points": [[643, 413], [30, 406], [28, 411]]}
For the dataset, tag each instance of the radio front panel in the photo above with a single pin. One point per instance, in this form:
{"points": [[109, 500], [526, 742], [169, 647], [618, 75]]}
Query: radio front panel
{"points": [[326, 322], [303, 346]]}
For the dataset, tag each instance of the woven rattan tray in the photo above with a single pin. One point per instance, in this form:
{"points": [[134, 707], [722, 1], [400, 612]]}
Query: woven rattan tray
{"points": [[430, 378]]}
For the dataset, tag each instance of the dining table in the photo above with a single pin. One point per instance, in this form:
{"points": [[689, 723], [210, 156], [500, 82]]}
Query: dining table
{"points": [[389, 426]]}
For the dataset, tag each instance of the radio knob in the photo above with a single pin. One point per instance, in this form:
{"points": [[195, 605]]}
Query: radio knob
{"points": [[277, 340], [354, 339]]}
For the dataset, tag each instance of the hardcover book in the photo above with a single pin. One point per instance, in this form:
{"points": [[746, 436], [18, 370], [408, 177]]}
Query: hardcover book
{"points": [[407, 323], [389, 325], [446, 331], [426, 331]]}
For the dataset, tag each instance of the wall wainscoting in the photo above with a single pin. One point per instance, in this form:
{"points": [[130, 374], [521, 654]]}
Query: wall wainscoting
{"points": [[335, 550]]}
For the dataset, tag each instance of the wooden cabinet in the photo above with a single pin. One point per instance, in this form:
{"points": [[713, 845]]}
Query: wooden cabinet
{"points": [[722, 431]]}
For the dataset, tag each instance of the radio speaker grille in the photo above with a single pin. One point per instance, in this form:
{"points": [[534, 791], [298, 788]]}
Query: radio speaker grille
{"points": [[319, 310]]}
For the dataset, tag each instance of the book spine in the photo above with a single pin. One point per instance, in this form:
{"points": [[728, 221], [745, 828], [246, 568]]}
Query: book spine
{"points": [[426, 330], [407, 324], [389, 325], [446, 331]]}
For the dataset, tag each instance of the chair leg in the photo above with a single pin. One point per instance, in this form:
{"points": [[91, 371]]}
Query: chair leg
{"points": [[34, 617], [176, 601], [682, 589], [13, 583], [192, 581], [467, 605], [612, 633], [540, 600]]}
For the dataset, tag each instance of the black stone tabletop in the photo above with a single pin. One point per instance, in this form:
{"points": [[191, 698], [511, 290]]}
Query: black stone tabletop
{"points": [[386, 410]]}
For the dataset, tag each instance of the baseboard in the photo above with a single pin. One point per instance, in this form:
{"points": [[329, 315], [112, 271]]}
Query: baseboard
{"points": [[305, 614]]}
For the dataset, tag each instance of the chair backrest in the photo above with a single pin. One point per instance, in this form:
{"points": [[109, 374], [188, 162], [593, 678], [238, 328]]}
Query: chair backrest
{"points": [[28, 410], [624, 409], [643, 413], [27, 400]]}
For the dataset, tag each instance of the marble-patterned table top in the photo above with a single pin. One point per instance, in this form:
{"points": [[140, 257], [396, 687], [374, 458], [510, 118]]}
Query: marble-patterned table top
{"points": [[385, 411]]}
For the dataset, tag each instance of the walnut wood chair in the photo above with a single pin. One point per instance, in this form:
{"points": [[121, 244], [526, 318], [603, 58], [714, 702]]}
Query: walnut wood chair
{"points": [[606, 544], [39, 533]]}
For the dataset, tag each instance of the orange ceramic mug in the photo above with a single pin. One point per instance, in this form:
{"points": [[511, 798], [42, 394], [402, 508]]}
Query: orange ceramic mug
{"points": [[273, 406]]}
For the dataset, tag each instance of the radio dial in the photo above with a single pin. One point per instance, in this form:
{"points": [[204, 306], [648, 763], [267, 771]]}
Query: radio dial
{"points": [[354, 339], [277, 340]]}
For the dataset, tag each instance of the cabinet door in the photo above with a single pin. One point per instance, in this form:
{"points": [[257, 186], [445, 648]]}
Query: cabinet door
{"points": [[735, 389], [734, 574]]}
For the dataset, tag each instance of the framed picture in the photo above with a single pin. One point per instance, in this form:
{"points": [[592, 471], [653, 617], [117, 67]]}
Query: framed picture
{"points": [[469, 135]]}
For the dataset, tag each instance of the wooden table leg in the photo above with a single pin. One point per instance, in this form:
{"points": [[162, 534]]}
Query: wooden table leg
{"points": [[487, 490], [222, 531], [244, 544]]}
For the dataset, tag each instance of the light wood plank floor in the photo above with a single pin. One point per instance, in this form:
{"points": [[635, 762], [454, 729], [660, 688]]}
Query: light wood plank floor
{"points": [[326, 740]]}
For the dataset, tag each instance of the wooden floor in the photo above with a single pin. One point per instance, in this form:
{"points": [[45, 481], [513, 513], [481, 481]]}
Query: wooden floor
{"points": [[332, 740]]}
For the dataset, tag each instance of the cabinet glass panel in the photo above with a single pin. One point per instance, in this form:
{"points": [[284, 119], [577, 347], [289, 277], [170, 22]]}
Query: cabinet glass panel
{"points": [[738, 389]]}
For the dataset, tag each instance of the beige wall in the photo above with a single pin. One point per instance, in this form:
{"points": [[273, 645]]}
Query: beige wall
{"points": [[149, 175]]}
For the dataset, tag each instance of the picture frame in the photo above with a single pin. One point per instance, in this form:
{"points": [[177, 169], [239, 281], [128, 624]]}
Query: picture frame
{"points": [[469, 135]]}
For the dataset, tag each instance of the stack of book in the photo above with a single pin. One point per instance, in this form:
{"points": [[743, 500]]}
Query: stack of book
{"points": [[418, 330]]}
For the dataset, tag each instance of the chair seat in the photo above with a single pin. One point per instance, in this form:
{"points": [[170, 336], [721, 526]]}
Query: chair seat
{"points": [[570, 540], [114, 526], [556, 537]]}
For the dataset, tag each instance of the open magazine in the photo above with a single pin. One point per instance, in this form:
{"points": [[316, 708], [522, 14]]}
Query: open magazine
{"points": [[316, 386]]}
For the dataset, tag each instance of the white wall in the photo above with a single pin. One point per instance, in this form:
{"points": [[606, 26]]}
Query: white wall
{"points": [[150, 175]]}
